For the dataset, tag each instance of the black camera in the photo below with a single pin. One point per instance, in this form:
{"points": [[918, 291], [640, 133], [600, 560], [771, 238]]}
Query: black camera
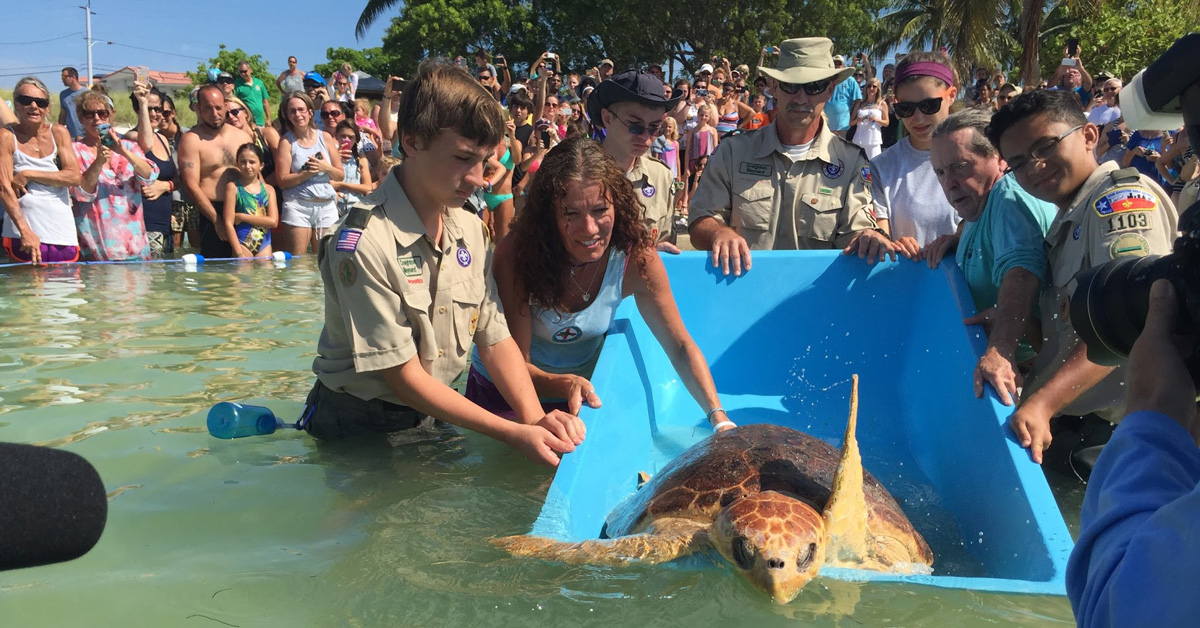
{"points": [[1110, 303]]}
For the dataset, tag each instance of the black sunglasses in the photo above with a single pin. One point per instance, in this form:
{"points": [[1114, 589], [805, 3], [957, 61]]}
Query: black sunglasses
{"points": [[227, 81], [329, 115], [155, 109], [640, 128], [812, 89], [25, 101], [929, 106]]}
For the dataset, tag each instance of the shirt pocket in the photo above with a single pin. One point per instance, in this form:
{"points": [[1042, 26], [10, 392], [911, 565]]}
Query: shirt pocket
{"points": [[467, 296], [818, 215], [753, 205]]}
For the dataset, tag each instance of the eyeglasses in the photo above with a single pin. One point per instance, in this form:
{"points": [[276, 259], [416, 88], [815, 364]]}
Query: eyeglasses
{"points": [[235, 112], [331, 114], [812, 89], [1039, 151], [167, 112], [929, 106], [225, 81], [155, 109], [25, 101], [639, 128], [485, 77], [95, 113]]}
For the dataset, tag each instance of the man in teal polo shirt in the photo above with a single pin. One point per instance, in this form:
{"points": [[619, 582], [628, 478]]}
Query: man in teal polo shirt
{"points": [[252, 92]]}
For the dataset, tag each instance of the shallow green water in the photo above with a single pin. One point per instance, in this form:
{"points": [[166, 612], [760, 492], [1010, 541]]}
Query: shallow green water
{"points": [[121, 363]]}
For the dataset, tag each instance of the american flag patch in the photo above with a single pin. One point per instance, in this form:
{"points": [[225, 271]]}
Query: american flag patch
{"points": [[348, 240]]}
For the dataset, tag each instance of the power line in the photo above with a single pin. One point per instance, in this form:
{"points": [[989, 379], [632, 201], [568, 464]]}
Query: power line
{"points": [[40, 41], [161, 52]]}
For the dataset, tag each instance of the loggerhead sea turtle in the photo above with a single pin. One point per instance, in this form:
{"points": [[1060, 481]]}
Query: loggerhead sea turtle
{"points": [[775, 502]]}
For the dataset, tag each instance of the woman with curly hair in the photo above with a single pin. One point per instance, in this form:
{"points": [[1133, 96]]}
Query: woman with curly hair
{"points": [[576, 250]]}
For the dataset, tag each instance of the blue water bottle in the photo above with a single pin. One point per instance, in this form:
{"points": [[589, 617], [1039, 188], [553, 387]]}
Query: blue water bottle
{"points": [[235, 420]]}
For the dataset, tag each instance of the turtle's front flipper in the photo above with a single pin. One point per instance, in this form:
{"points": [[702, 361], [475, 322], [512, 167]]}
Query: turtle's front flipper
{"points": [[848, 538], [667, 540]]}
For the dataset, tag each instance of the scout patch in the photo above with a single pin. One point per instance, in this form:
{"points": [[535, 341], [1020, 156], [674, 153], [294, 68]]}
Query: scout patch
{"points": [[463, 256], [1125, 199], [410, 266], [1129, 245], [756, 170], [567, 334], [348, 240], [348, 272], [866, 174], [834, 171], [1078, 230], [648, 190]]}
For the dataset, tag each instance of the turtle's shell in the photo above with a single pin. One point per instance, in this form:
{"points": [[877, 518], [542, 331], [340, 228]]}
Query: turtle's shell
{"points": [[750, 459]]}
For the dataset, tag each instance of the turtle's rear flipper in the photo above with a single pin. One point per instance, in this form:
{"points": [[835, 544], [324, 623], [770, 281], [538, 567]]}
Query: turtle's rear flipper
{"points": [[847, 537], [666, 542]]}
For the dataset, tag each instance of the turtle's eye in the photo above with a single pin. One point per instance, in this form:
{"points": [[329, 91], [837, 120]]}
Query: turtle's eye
{"points": [[806, 556], [742, 553]]}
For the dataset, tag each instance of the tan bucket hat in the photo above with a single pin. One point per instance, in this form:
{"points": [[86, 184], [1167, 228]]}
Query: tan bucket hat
{"points": [[805, 60]]}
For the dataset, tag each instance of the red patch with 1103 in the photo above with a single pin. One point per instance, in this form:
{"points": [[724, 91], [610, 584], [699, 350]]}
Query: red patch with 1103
{"points": [[1126, 199]]}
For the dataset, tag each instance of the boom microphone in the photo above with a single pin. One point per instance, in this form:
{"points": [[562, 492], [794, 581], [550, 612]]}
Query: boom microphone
{"points": [[52, 506]]}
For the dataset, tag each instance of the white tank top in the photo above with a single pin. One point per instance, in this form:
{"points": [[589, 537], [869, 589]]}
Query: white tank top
{"points": [[316, 187], [570, 342], [47, 208]]}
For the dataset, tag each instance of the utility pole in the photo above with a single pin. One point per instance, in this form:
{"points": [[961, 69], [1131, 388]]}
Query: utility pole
{"points": [[88, 38]]}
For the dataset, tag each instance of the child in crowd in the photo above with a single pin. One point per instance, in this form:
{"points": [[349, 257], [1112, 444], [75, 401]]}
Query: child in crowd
{"points": [[372, 139], [758, 103], [701, 142], [383, 168], [670, 156], [357, 182], [251, 209]]}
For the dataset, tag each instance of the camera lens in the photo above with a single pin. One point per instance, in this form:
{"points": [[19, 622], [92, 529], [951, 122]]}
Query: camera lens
{"points": [[1109, 306]]}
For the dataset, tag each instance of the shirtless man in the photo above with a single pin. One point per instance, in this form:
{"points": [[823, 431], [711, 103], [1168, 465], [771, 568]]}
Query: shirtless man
{"points": [[206, 159]]}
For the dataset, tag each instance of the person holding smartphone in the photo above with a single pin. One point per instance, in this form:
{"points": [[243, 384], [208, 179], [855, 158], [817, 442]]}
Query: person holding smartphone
{"points": [[1143, 152], [1072, 76]]}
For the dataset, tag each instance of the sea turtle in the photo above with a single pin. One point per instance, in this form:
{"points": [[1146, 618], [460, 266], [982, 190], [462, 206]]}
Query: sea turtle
{"points": [[775, 502]]}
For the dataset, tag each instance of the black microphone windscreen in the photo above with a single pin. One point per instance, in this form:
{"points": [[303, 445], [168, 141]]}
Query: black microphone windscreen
{"points": [[52, 506]]}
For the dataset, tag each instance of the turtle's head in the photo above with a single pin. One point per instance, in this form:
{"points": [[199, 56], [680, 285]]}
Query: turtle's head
{"points": [[774, 540]]}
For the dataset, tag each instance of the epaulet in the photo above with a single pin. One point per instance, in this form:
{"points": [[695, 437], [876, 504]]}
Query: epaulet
{"points": [[658, 161], [1125, 175], [358, 216]]}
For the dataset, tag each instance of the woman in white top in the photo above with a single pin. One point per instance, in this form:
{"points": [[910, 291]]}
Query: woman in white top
{"points": [[37, 162], [870, 114], [307, 161]]}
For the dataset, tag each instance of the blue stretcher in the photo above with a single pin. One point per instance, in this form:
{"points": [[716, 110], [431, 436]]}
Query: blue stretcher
{"points": [[782, 342]]}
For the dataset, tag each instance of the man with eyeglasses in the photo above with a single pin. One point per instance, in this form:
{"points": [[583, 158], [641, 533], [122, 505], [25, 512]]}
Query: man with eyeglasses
{"points": [[253, 92], [1103, 213], [1108, 110], [632, 108], [792, 184]]}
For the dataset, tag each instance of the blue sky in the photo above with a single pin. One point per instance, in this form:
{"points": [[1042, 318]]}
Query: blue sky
{"points": [[173, 35]]}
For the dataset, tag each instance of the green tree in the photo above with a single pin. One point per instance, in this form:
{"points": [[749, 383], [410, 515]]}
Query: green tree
{"points": [[227, 61], [973, 31], [1123, 38], [373, 61]]}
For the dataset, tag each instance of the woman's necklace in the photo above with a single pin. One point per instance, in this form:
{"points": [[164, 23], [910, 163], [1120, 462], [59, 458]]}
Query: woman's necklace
{"points": [[586, 294]]}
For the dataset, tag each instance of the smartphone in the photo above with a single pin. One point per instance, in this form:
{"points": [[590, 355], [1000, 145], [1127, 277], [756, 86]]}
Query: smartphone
{"points": [[345, 143], [1073, 46], [498, 60], [1114, 137], [1068, 62], [141, 74], [105, 137], [551, 55]]}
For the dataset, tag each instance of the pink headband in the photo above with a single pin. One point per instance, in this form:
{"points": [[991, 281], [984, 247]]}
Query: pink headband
{"points": [[925, 68]]}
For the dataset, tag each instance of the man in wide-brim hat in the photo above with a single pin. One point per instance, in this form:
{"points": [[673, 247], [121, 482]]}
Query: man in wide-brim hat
{"points": [[792, 184], [631, 108]]}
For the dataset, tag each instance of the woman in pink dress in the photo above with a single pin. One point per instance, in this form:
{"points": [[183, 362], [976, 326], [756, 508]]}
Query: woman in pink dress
{"points": [[108, 203]]}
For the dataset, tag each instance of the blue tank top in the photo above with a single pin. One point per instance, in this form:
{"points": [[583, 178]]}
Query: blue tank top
{"points": [[570, 342]]}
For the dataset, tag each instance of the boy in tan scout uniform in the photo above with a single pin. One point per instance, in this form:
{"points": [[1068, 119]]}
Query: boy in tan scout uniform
{"points": [[792, 184], [408, 288], [632, 109], [1104, 213]]}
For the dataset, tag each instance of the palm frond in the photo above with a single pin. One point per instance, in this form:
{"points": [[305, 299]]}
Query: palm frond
{"points": [[370, 13]]}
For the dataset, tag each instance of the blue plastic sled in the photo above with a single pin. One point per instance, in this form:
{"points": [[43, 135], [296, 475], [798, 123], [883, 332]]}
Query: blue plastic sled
{"points": [[782, 342]]}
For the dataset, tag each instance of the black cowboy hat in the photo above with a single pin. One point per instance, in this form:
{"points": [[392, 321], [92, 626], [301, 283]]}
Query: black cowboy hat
{"points": [[632, 86]]}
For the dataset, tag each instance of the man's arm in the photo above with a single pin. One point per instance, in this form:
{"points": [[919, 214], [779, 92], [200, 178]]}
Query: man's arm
{"points": [[997, 366], [266, 103], [1031, 421], [710, 211]]}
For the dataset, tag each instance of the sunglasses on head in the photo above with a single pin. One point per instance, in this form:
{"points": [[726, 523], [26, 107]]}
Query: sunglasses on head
{"points": [[812, 89], [331, 114], [929, 106], [95, 113], [25, 101]]}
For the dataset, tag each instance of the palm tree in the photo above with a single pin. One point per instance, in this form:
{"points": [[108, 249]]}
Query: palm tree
{"points": [[370, 13], [969, 29]]}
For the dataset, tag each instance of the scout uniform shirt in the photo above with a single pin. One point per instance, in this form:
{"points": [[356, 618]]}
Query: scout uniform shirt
{"points": [[1116, 213], [392, 294], [652, 181], [818, 201]]}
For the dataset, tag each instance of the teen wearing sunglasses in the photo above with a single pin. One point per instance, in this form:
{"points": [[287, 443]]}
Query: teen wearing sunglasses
{"points": [[910, 203], [792, 184], [37, 166], [1104, 212]]}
